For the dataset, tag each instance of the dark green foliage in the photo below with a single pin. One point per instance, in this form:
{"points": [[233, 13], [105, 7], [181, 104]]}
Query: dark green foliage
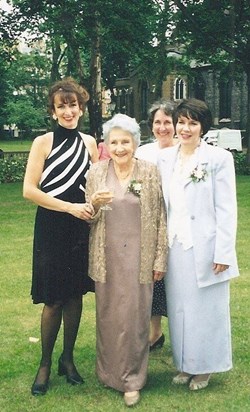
{"points": [[12, 169], [218, 33], [240, 162]]}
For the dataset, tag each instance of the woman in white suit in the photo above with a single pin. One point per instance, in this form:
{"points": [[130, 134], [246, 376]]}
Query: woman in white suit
{"points": [[199, 190]]}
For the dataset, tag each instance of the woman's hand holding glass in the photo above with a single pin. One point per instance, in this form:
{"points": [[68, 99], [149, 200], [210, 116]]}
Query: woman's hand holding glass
{"points": [[101, 198]]}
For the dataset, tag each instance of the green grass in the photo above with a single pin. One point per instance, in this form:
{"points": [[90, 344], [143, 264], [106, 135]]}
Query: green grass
{"points": [[21, 320], [15, 145]]}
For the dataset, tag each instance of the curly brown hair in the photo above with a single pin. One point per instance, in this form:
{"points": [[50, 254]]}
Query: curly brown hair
{"points": [[68, 88]]}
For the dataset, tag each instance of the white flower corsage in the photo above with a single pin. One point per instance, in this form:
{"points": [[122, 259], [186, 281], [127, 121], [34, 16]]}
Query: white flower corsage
{"points": [[198, 174], [135, 187]]}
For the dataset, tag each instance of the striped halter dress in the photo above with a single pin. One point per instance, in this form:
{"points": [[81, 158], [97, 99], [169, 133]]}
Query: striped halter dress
{"points": [[60, 249]]}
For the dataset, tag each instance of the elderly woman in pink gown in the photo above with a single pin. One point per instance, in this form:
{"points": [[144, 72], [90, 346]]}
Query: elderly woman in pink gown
{"points": [[127, 254]]}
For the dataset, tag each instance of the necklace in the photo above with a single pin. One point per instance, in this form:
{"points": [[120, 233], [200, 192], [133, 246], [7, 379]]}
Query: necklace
{"points": [[124, 175]]}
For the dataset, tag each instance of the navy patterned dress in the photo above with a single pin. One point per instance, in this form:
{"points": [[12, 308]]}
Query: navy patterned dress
{"points": [[60, 250]]}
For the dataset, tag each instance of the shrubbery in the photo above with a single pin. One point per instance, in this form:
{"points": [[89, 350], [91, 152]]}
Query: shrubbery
{"points": [[13, 168], [240, 162]]}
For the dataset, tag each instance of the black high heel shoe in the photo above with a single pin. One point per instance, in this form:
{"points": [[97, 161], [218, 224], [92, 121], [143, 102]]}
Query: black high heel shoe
{"points": [[73, 378], [158, 344], [40, 388]]}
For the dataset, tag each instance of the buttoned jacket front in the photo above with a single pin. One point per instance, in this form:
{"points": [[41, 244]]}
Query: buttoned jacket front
{"points": [[212, 210]]}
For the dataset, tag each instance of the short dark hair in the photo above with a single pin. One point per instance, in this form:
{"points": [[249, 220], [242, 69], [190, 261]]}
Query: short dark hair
{"points": [[67, 87], [167, 106], [194, 109]]}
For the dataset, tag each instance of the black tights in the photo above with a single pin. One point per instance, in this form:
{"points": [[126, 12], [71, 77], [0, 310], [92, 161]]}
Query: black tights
{"points": [[51, 320]]}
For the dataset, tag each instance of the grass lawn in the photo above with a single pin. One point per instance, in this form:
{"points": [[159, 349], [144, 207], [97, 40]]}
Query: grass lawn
{"points": [[20, 320], [15, 145]]}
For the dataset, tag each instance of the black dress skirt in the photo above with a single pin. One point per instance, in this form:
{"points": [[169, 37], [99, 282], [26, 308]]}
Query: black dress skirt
{"points": [[60, 250], [159, 305]]}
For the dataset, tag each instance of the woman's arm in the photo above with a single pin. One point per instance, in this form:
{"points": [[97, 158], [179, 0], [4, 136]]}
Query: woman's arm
{"points": [[40, 150], [161, 246], [161, 249], [96, 178], [225, 210], [91, 186]]}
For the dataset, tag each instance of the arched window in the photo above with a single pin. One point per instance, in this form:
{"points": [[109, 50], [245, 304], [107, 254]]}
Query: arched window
{"points": [[179, 89]]}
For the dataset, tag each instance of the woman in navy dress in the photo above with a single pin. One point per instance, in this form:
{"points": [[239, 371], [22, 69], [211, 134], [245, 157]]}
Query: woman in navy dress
{"points": [[55, 180]]}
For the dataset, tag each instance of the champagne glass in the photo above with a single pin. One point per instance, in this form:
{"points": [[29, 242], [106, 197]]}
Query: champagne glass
{"points": [[109, 190]]}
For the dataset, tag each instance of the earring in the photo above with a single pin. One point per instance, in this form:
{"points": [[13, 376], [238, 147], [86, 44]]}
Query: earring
{"points": [[54, 116]]}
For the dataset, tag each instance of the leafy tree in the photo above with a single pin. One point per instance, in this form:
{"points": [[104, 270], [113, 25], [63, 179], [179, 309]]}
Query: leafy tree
{"points": [[160, 64], [25, 115], [24, 90], [82, 32], [7, 45], [3, 90], [29, 74], [219, 33]]}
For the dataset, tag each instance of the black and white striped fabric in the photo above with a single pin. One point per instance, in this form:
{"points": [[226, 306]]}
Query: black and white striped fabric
{"points": [[66, 167]]}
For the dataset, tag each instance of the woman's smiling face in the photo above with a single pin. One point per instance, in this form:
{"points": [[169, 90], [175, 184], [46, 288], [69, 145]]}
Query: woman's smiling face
{"points": [[163, 128], [188, 131], [121, 146], [67, 111]]}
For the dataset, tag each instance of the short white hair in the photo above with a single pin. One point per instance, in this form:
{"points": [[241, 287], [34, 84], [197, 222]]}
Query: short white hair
{"points": [[124, 122]]}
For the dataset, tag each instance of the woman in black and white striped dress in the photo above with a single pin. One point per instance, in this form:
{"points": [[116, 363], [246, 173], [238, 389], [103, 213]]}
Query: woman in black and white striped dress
{"points": [[55, 180]]}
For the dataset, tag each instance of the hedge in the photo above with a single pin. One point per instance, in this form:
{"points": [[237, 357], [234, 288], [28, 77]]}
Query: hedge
{"points": [[13, 169]]}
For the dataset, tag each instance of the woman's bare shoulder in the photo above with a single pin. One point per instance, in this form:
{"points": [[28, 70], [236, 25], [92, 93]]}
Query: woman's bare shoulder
{"points": [[43, 143], [88, 138], [44, 138]]}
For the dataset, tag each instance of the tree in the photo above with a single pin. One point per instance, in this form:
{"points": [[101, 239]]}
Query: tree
{"points": [[7, 46], [81, 32], [95, 104], [25, 90], [163, 28], [219, 33], [25, 115], [62, 30], [86, 41]]}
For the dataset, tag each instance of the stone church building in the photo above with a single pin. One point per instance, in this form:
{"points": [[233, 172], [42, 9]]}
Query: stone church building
{"points": [[226, 99]]}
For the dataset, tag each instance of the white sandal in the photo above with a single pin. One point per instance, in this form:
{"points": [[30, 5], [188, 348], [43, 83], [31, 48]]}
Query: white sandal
{"points": [[182, 378], [131, 398], [195, 386]]}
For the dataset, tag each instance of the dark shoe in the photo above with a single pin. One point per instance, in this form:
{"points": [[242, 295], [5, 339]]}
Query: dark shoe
{"points": [[158, 344], [73, 378], [40, 388]]}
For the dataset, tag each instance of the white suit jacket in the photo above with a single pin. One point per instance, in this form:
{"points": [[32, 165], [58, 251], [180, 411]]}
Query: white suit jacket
{"points": [[212, 209]]}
